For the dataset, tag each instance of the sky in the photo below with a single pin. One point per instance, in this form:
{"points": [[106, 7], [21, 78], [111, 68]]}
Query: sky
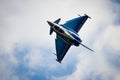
{"points": [[26, 48]]}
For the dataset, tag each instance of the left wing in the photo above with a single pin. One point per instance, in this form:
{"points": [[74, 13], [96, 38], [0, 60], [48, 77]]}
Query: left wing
{"points": [[76, 23], [61, 48]]}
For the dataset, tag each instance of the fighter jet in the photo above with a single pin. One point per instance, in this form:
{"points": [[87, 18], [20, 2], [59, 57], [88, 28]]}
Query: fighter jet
{"points": [[67, 34]]}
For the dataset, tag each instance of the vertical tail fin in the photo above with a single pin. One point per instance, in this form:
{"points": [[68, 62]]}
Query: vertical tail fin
{"points": [[87, 16], [51, 24], [57, 21]]}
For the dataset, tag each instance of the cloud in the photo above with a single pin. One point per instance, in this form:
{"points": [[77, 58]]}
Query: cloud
{"points": [[26, 47], [7, 66]]}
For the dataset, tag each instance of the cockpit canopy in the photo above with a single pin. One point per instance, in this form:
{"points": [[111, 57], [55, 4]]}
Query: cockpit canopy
{"points": [[59, 29]]}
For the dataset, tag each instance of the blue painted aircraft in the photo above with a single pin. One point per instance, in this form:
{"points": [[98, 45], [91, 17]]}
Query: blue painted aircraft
{"points": [[67, 35]]}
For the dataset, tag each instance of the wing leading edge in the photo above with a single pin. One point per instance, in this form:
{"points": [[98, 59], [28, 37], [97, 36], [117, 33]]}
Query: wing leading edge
{"points": [[76, 23], [61, 48]]}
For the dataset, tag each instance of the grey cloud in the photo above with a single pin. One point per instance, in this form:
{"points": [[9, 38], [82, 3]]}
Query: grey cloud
{"points": [[97, 76], [7, 67], [112, 57]]}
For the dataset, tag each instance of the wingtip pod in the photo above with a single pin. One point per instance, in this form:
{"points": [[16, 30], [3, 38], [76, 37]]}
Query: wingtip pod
{"points": [[79, 15], [87, 16], [58, 61]]}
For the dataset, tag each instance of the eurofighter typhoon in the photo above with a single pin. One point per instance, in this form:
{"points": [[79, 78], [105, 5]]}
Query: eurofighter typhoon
{"points": [[67, 35]]}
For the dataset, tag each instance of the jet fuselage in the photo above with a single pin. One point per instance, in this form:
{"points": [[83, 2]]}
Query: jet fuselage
{"points": [[67, 35]]}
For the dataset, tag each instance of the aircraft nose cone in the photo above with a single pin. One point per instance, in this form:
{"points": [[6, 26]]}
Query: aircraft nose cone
{"points": [[50, 23]]}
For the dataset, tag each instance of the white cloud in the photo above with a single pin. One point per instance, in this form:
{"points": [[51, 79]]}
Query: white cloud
{"points": [[24, 23]]}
